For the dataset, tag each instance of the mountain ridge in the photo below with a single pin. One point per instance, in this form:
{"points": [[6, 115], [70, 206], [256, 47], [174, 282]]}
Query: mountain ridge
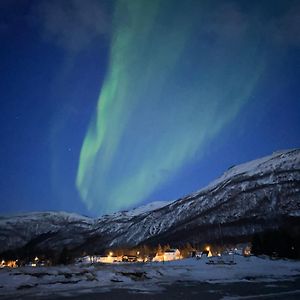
{"points": [[248, 198]]}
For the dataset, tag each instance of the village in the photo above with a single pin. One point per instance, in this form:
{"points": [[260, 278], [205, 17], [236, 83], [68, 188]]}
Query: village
{"points": [[214, 255], [135, 273]]}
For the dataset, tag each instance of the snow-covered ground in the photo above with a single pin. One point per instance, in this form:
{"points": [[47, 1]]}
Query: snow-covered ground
{"points": [[144, 277]]}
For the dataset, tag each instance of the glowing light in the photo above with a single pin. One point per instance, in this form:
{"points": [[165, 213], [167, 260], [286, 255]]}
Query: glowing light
{"points": [[2, 265], [207, 248], [9, 263], [165, 97]]}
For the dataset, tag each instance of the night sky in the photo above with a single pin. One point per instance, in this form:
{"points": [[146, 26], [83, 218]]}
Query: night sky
{"points": [[108, 105]]}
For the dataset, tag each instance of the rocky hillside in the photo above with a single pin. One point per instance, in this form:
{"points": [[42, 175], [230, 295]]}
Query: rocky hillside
{"points": [[249, 198]]}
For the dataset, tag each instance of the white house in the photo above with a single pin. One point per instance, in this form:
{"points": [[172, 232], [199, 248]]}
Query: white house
{"points": [[171, 254], [108, 259]]}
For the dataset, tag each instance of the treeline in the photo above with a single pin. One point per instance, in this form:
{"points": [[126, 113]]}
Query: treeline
{"points": [[283, 243]]}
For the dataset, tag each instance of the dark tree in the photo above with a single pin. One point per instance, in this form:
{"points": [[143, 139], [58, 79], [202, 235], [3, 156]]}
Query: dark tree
{"points": [[65, 257], [279, 243]]}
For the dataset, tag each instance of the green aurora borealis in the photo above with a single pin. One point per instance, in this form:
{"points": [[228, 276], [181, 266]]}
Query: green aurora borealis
{"points": [[176, 77]]}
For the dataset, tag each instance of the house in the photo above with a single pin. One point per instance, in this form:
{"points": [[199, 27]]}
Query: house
{"points": [[86, 259], [9, 263], [91, 259], [172, 254], [107, 259], [129, 258], [247, 251]]}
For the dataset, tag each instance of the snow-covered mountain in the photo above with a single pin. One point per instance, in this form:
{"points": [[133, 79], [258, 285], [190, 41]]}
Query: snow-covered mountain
{"points": [[141, 209], [249, 198]]}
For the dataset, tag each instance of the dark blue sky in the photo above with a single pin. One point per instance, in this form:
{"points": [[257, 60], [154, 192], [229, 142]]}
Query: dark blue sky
{"points": [[54, 58]]}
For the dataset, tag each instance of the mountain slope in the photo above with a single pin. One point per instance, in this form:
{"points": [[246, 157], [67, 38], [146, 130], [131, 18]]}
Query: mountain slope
{"points": [[250, 195], [249, 198]]}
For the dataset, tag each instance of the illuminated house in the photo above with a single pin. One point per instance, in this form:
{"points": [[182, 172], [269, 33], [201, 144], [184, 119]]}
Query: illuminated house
{"points": [[108, 259], [247, 251], [91, 259], [168, 255], [88, 259], [34, 263], [129, 258], [172, 254], [9, 263]]}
